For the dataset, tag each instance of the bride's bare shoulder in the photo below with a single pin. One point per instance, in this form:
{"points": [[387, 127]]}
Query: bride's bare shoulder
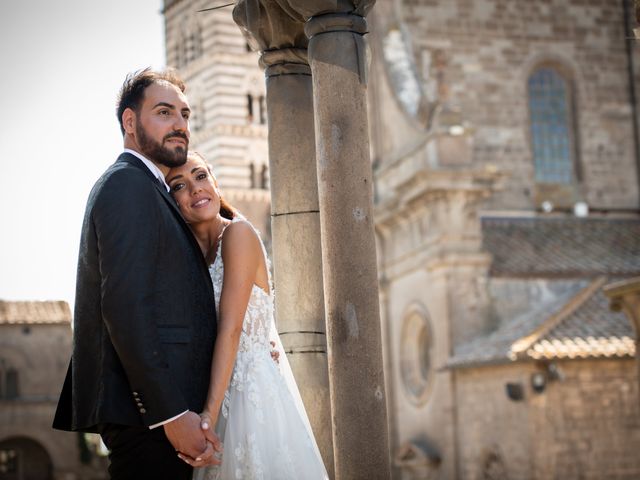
{"points": [[240, 236]]}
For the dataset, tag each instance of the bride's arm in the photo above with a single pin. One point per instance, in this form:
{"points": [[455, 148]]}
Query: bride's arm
{"points": [[241, 253]]}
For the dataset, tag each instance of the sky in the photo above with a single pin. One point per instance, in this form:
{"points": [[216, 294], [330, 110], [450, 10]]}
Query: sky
{"points": [[61, 64]]}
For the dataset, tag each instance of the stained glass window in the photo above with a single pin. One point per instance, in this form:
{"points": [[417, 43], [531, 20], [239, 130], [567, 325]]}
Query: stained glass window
{"points": [[551, 126]]}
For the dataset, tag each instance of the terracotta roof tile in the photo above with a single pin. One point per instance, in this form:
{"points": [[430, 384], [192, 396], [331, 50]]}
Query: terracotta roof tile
{"points": [[34, 312], [593, 330], [578, 324]]}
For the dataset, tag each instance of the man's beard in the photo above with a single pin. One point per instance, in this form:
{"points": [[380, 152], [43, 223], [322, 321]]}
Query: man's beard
{"points": [[157, 152]]}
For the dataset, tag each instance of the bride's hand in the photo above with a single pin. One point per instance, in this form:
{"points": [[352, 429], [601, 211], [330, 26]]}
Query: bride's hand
{"points": [[207, 421], [207, 424], [207, 458], [275, 354]]}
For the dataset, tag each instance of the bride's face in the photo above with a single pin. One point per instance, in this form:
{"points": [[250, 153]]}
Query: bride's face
{"points": [[195, 190]]}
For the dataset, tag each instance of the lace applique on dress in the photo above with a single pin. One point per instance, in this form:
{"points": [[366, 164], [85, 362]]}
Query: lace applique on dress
{"points": [[263, 432]]}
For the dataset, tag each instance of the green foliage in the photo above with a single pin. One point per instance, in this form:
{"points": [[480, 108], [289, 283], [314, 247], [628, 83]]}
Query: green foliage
{"points": [[83, 448]]}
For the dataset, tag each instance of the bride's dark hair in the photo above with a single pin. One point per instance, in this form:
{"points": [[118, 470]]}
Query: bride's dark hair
{"points": [[226, 209]]}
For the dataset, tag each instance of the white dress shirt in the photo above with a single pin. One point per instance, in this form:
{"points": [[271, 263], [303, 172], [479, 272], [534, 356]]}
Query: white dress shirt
{"points": [[150, 165], [158, 174]]}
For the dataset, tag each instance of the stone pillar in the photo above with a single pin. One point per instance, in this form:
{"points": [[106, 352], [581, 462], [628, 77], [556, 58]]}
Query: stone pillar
{"points": [[337, 55], [295, 218], [295, 223]]}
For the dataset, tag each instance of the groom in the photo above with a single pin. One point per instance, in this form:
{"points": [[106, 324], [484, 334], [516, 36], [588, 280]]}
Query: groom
{"points": [[144, 320]]}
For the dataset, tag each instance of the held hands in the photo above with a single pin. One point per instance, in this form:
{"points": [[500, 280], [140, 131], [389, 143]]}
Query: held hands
{"points": [[213, 444], [204, 447], [193, 444], [207, 422]]}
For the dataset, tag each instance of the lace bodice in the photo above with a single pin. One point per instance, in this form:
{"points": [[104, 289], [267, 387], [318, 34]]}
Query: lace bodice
{"points": [[262, 421], [257, 326]]}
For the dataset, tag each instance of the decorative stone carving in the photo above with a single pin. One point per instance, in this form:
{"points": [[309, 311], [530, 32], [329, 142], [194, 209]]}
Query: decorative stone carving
{"points": [[270, 24], [280, 24]]}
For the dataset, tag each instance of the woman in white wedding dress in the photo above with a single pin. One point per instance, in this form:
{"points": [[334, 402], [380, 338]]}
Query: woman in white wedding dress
{"points": [[253, 401]]}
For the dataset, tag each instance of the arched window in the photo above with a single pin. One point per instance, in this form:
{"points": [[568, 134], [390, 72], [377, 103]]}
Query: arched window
{"points": [[24, 458], [552, 126], [190, 44], [249, 108], [264, 182], [263, 110], [252, 174]]}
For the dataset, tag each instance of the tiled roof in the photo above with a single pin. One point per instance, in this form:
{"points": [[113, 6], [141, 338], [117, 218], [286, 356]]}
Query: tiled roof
{"points": [[562, 246], [33, 312], [578, 324], [592, 330]]}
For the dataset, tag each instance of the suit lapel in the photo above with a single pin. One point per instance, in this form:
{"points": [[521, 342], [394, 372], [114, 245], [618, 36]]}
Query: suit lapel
{"points": [[136, 162]]}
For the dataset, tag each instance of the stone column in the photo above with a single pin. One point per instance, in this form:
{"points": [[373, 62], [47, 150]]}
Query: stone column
{"points": [[337, 55], [295, 218], [295, 223]]}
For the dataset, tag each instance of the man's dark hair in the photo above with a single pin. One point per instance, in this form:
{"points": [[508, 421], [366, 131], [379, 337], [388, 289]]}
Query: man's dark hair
{"points": [[132, 92]]}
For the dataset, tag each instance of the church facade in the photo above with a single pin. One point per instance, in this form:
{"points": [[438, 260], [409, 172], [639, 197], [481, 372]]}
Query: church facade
{"points": [[504, 139], [505, 150]]}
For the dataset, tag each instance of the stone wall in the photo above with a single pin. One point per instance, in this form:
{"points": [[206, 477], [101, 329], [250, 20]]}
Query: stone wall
{"points": [[40, 354], [585, 425], [478, 55]]}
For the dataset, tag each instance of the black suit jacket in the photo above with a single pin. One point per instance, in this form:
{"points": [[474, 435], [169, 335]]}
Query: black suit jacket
{"points": [[144, 319]]}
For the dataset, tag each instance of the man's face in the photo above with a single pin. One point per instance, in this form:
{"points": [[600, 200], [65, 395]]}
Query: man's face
{"points": [[162, 127]]}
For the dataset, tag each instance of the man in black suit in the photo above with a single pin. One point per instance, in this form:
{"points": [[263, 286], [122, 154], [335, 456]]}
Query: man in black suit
{"points": [[144, 320]]}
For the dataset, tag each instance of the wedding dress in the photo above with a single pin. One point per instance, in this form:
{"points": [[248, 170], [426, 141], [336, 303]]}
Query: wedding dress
{"points": [[262, 422]]}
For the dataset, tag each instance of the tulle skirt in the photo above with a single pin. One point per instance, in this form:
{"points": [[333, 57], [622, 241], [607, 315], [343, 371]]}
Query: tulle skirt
{"points": [[263, 426]]}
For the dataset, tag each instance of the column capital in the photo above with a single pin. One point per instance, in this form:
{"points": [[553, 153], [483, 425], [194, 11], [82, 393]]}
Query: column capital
{"points": [[285, 61], [271, 24], [276, 24]]}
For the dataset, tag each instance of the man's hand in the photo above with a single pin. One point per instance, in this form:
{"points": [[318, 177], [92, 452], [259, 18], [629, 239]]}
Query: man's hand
{"points": [[189, 440], [213, 454]]}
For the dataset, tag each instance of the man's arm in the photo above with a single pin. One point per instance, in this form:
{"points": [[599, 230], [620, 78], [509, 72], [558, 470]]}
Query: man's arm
{"points": [[127, 217], [127, 220]]}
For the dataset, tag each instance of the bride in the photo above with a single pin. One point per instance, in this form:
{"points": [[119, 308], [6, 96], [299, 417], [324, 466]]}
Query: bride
{"points": [[253, 401]]}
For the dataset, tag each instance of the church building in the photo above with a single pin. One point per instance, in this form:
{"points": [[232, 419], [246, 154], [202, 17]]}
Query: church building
{"points": [[506, 160]]}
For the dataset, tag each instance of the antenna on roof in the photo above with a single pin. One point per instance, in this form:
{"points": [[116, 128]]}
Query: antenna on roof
{"points": [[216, 8]]}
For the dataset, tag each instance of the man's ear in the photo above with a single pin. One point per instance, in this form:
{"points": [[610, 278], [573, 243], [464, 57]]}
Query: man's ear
{"points": [[129, 119]]}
